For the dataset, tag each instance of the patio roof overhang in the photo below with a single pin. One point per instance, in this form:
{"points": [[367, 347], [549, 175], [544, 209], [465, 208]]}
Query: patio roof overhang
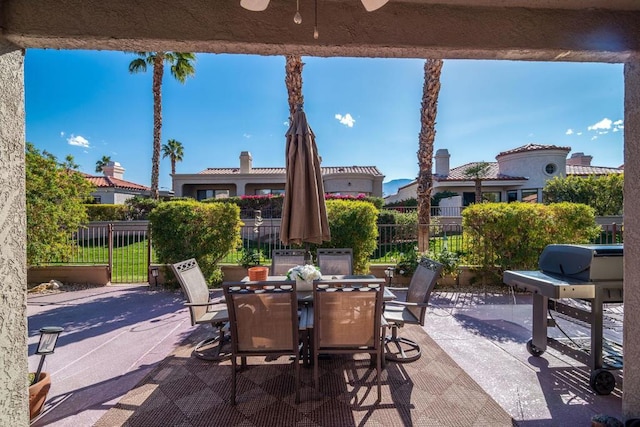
{"points": [[547, 30]]}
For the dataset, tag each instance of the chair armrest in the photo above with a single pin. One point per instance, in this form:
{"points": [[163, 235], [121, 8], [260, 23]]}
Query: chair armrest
{"points": [[203, 304], [396, 288], [407, 304]]}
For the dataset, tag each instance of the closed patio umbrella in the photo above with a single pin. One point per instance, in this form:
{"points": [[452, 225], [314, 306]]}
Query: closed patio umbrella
{"points": [[304, 214]]}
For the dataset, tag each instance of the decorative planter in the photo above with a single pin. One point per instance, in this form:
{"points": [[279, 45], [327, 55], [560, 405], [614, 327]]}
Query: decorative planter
{"points": [[38, 394], [258, 273]]}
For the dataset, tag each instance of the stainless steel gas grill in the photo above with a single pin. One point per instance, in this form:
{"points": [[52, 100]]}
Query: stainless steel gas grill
{"points": [[572, 278]]}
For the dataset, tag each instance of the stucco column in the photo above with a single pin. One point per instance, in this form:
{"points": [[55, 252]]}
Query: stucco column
{"points": [[14, 409], [631, 395]]}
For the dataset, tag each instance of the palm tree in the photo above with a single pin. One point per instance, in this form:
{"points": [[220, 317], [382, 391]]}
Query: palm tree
{"points": [[476, 173], [293, 80], [428, 112], [181, 68], [104, 161], [174, 150]]}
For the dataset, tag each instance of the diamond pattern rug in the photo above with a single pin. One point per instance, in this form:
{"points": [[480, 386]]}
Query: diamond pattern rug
{"points": [[185, 391]]}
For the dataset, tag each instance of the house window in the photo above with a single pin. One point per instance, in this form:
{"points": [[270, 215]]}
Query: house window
{"points": [[97, 200], [512, 196], [267, 191], [530, 196], [212, 194], [492, 196], [550, 168]]}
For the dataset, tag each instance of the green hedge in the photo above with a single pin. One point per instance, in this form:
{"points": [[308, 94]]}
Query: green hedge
{"points": [[105, 212], [512, 235], [190, 229], [353, 225]]}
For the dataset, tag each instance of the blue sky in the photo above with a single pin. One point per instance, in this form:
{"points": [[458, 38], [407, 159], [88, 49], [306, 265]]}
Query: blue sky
{"points": [[363, 111]]}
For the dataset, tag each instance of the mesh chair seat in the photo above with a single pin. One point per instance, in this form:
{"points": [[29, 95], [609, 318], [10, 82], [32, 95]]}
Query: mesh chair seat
{"points": [[412, 311], [348, 320], [203, 309], [284, 259], [264, 322], [335, 261]]}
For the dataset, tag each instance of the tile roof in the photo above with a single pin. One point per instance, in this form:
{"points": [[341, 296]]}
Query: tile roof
{"points": [[458, 173], [533, 147], [591, 170], [110, 182], [326, 170]]}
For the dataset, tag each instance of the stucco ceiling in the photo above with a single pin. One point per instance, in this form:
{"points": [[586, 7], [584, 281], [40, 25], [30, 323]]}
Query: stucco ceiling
{"points": [[571, 30]]}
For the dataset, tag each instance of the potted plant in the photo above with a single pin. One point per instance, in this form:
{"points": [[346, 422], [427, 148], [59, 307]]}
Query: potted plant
{"points": [[40, 382]]}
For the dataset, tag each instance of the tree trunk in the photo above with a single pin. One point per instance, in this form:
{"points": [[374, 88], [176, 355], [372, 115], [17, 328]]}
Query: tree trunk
{"points": [[428, 112], [293, 80], [478, 183], [158, 71], [173, 165]]}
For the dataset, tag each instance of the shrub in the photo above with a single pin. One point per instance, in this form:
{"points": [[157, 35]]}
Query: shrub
{"points": [[353, 225], [512, 235], [55, 196], [206, 232], [603, 193], [106, 212], [139, 207]]}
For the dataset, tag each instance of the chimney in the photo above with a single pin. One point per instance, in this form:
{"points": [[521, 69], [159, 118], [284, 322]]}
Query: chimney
{"points": [[579, 159], [442, 162], [114, 170], [245, 162]]}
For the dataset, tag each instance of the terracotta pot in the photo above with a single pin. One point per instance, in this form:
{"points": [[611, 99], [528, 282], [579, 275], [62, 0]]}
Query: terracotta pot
{"points": [[38, 394], [258, 273]]}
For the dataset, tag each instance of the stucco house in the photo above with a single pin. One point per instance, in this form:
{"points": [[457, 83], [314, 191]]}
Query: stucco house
{"points": [[111, 188], [518, 174], [249, 180]]}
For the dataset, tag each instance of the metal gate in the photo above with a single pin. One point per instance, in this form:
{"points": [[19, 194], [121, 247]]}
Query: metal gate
{"points": [[124, 245]]}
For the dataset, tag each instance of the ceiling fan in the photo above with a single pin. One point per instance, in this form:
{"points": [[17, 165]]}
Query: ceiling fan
{"points": [[260, 5]]}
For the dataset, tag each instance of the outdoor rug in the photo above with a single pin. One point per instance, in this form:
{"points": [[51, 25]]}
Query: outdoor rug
{"points": [[185, 391]]}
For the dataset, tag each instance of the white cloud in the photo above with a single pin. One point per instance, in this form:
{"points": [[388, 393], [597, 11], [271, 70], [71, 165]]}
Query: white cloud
{"points": [[286, 124], [602, 124], [579, 133], [569, 132], [78, 141], [618, 123], [346, 120], [594, 137], [61, 133], [246, 135], [615, 129]]}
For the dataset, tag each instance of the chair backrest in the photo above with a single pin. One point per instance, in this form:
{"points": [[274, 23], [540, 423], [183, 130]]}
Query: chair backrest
{"points": [[284, 259], [422, 283], [347, 319], [335, 261], [262, 320], [193, 285]]}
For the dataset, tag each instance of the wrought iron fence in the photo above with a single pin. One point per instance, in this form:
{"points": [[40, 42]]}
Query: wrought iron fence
{"points": [[126, 245]]}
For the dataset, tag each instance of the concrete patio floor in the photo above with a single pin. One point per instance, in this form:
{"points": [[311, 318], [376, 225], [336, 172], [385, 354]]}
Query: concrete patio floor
{"points": [[116, 335]]}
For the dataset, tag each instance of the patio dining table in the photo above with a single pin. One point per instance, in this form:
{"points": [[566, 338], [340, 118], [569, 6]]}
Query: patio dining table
{"points": [[354, 280]]}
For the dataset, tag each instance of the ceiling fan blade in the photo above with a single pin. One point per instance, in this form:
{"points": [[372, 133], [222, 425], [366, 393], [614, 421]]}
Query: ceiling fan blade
{"points": [[254, 5], [371, 5]]}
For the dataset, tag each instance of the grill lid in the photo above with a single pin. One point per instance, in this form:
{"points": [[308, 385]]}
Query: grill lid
{"points": [[583, 262]]}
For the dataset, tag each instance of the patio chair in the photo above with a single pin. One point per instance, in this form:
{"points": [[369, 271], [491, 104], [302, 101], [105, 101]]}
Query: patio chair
{"points": [[202, 308], [284, 259], [335, 261], [347, 320], [411, 311], [264, 321]]}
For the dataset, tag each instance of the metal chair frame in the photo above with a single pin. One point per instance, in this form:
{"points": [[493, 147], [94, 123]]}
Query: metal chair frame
{"points": [[330, 260], [284, 259], [202, 308], [411, 311]]}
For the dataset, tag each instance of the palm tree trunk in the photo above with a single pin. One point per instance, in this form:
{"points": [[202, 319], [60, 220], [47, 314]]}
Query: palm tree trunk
{"points": [[173, 165], [293, 80], [430, 92], [158, 71]]}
